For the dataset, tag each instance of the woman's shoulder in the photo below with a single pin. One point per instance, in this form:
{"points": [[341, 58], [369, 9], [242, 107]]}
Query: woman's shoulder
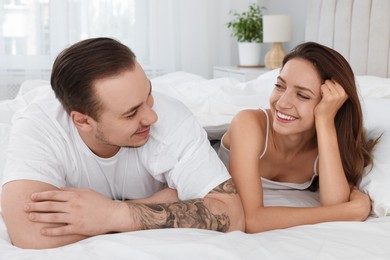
{"points": [[249, 123], [247, 131], [250, 117]]}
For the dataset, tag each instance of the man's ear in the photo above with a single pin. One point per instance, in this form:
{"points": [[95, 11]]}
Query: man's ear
{"points": [[82, 121]]}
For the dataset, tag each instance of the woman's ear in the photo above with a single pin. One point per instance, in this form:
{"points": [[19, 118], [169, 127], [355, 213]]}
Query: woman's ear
{"points": [[82, 121]]}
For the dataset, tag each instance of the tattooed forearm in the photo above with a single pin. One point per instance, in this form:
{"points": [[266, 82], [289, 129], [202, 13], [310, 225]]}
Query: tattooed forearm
{"points": [[183, 214], [225, 187]]}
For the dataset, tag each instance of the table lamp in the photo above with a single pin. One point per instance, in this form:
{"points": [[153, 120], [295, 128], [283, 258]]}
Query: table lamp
{"points": [[276, 29]]}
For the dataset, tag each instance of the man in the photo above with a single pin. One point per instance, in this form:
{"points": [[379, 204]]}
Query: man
{"points": [[130, 159]]}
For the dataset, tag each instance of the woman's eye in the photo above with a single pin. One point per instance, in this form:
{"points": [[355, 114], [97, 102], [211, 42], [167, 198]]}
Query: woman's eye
{"points": [[303, 96]]}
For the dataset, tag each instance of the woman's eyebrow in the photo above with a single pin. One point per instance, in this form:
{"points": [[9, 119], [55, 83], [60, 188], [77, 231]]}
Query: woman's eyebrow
{"points": [[304, 89], [297, 86]]}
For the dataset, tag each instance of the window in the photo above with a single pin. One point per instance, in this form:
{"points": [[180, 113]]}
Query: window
{"points": [[33, 32], [166, 36]]}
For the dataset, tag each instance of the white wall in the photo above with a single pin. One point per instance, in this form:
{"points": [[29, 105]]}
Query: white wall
{"points": [[201, 35], [192, 34], [295, 8]]}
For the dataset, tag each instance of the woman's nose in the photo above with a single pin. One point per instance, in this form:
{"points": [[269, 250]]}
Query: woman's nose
{"points": [[285, 100]]}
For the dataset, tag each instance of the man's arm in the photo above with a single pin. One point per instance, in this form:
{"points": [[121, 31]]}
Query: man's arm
{"points": [[88, 213], [220, 210], [23, 232]]}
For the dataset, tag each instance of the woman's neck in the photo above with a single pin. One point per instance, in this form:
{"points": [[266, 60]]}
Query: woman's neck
{"points": [[291, 145]]}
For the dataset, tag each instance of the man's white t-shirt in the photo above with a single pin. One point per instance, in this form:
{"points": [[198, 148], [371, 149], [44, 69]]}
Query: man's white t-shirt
{"points": [[45, 146]]}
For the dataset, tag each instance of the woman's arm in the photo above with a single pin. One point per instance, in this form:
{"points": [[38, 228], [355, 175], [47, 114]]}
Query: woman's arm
{"points": [[268, 218], [245, 148], [334, 187], [246, 144]]}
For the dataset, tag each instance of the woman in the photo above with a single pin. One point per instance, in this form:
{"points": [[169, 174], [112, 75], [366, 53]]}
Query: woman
{"points": [[313, 128]]}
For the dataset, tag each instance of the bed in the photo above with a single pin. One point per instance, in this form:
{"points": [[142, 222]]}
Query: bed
{"points": [[360, 30]]}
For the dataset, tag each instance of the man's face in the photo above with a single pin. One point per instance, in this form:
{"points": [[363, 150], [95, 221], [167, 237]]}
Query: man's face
{"points": [[127, 113]]}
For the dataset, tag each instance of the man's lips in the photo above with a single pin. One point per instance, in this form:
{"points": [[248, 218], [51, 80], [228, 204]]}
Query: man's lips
{"points": [[144, 132]]}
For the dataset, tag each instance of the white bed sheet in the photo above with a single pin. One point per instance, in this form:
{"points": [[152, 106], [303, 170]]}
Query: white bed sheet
{"points": [[333, 240], [215, 102]]}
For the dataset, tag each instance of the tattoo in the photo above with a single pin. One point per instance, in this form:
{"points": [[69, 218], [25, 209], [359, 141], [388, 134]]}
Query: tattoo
{"points": [[225, 187], [183, 214]]}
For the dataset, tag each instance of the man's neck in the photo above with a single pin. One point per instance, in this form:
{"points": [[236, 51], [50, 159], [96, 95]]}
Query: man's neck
{"points": [[98, 148]]}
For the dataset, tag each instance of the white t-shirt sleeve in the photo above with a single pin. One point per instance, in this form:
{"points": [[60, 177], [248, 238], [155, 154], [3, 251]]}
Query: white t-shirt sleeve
{"points": [[32, 153], [187, 162]]}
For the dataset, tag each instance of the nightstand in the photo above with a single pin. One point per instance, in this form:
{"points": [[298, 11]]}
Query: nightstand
{"points": [[242, 74]]}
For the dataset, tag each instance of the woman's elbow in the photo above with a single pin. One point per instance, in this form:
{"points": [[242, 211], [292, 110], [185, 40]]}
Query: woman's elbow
{"points": [[253, 225], [236, 213]]}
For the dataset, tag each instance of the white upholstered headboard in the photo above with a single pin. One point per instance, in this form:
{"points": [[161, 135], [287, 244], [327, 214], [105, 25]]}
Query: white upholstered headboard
{"points": [[358, 29]]}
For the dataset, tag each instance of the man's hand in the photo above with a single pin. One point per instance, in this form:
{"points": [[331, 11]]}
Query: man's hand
{"points": [[79, 211], [24, 233]]}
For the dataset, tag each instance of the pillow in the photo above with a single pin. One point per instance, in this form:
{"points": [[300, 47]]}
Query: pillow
{"points": [[7, 109], [376, 181], [4, 136], [272, 74], [29, 90], [373, 87]]}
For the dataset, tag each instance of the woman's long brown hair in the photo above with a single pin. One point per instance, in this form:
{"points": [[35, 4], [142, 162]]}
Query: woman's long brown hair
{"points": [[354, 145]]}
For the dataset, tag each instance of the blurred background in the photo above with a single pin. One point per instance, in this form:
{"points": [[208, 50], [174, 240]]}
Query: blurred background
{"points": [[166, 35]]}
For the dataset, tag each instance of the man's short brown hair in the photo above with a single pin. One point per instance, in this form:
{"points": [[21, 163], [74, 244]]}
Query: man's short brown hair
{"points": [[77, 68]]}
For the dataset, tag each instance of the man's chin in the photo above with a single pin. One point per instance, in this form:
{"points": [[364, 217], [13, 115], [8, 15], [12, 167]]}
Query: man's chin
{"points": [[138, 144]]}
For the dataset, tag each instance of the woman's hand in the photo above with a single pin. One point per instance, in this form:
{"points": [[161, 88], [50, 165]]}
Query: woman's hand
{"points": [[333, 97], [361, 204]]}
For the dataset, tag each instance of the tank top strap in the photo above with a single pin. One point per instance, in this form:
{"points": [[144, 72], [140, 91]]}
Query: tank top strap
{"points": [[266, 133], [315, 166]]}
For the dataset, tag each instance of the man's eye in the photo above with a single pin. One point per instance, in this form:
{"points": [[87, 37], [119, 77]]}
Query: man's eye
{"points": [[132, 115]]}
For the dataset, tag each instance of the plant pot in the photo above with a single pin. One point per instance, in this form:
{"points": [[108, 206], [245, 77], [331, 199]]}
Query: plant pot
{"points": [[249, 54]]}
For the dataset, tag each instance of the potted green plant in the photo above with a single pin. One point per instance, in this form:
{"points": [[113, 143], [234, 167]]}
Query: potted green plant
{"points": [[248, 30]]}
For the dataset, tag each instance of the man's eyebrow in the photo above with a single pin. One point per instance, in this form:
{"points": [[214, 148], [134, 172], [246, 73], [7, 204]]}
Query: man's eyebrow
{"points": [[131, 110], [281, 79], [134, 108], [297, 86]]}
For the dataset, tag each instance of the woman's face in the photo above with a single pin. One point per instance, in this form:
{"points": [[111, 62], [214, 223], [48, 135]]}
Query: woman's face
{"points": [[296, 94]]}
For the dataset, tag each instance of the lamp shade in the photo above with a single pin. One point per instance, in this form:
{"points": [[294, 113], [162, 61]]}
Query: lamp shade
{"points": [[276, 28]]}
